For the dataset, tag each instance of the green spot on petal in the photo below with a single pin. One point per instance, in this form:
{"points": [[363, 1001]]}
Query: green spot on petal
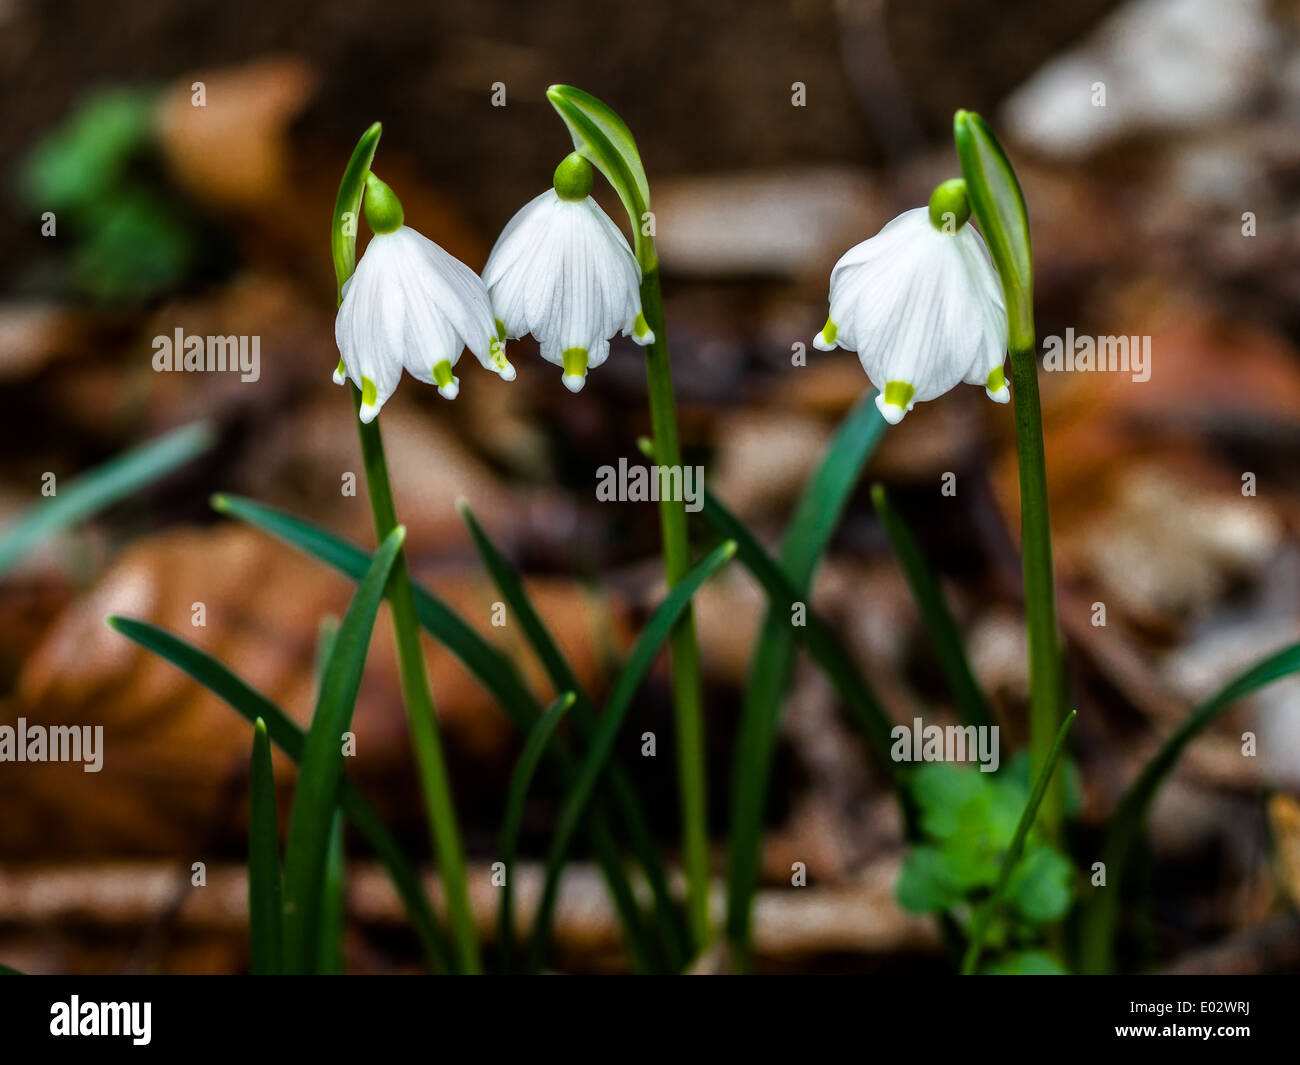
{"points": [[830, 331], [442, 373], [640, 327], [996, 380], [575, 362], [369, 394], [501, 330], [899, 393]]}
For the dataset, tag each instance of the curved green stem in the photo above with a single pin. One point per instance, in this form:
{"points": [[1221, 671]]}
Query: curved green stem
{"points": [[1046, 665], [687, 677]]}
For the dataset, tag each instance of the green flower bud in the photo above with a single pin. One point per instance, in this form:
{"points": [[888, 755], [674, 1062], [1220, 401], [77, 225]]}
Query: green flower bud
{"points": [[949, 207], [573, 178], [383, 209]]}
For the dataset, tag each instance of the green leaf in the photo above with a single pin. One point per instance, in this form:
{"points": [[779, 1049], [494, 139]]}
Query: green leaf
{"points": [[629, 680], [1042, 886], [984, 917], [286, 735], [1025, 963], [563, 678], [485, 663], [859, 701], [333, 906], [942, 792], [520, 780], [604, 140], [347, 206], [935, 615], [321, 770], [927, 883], [102, 487], [815, 519], [264, 898], [1101, 917], [999, 208]]}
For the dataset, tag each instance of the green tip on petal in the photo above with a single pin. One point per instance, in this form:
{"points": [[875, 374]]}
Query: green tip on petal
{"points": [[448, 386], [949, 206], [369, 396], [573, 178], [899, 394], [384, 212], [996, 386], [575, 368]]}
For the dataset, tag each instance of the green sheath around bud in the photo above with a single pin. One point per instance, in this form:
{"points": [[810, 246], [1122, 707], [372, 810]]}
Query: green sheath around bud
{"points": [[383, 209], [949, 206], [573, 178]]}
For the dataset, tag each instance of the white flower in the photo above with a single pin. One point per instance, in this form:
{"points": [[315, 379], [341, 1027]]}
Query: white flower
{"points": [[921, 304], [410, 305], [562, 271]]}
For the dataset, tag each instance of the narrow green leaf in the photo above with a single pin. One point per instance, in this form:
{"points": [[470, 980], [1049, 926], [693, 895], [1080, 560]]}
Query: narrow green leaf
{"points": [[1101, 918], [264, 900], [563, 678], [317, 792], [859, 701], [485, 662], [490, 668], [935, 615], [333, 907], [984, 917], [520, 781], [604, 140], [601, 747], [347, 206], [102, 487], [285, 734], [999, 208], [815, 519], [9, 970]]}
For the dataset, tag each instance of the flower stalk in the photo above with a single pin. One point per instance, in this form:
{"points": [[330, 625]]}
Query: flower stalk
{"points": [[604, 140], [417, 695], [999, 207]]}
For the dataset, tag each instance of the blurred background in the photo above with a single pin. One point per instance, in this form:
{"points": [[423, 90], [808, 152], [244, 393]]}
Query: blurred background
{"points": [[1171, 212]]}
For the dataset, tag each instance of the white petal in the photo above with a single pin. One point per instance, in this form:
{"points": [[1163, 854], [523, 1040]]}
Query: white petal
{"points": [[562, 271]]}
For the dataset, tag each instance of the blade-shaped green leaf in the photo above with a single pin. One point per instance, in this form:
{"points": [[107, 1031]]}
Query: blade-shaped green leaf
{"points": [[347, 206], [520, 781], [604, 140], [316, 795], [1100, 919], [619, 703], [485, 663], [859, 701], [935, 615], [984, 917], [815, 519], [285, 734], [102, 487], [264, 899], [999, 208], [333, 906], [563, 678]]}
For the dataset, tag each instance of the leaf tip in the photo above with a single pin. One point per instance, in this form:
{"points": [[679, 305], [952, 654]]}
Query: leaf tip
{"points": [[220, 502]]}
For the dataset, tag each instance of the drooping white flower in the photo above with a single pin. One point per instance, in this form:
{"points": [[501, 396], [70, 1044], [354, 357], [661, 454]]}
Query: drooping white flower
{"points": [[921, 304], [410, 305], [562, 271]]}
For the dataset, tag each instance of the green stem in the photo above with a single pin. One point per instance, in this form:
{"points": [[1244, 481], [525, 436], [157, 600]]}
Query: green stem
{"points": [[1046, 668], [687, 679], [418, 697]]}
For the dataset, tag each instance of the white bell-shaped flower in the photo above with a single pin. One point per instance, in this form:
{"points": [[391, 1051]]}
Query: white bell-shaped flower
{"points": [[562, 271], [410, 305], [921, 304]]}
